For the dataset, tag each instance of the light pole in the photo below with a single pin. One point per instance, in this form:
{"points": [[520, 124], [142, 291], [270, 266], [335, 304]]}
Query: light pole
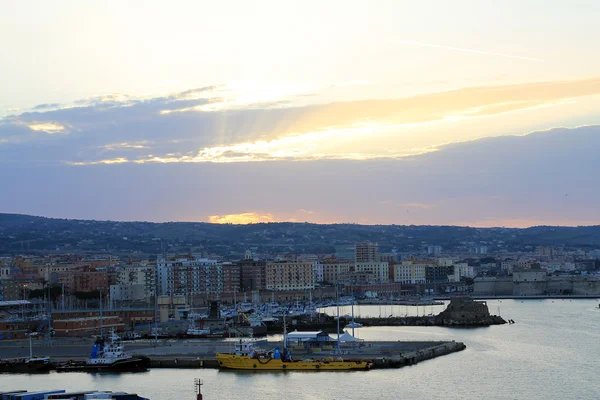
{"points": [[24, 298], [30, 334], [49, 305]]}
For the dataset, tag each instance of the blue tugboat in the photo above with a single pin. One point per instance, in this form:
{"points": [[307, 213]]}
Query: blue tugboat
{"points": [[109, 357]]}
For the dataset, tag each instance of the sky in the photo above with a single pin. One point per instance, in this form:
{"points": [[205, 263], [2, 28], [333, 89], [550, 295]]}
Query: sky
{"points": [[326, 112]]}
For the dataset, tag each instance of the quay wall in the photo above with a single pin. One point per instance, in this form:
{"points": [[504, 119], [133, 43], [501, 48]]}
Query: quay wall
{"points": [[558, 285]]}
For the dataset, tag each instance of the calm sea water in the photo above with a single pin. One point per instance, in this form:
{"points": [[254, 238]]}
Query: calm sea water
{"points": [[552, 352]]}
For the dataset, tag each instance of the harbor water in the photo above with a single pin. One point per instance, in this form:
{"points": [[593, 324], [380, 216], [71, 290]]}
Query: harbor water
{"points": [[551, 352]]}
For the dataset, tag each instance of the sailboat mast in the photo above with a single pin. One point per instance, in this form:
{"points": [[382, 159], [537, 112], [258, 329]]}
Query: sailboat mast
{"points": [[353, 318], [101, 327], [337, 303], [284, 332]]}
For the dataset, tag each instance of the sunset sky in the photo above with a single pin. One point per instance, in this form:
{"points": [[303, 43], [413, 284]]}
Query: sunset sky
{"points": [[370, 112]]}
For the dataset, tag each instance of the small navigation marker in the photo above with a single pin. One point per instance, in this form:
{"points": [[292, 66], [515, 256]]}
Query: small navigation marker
{"points": [[198, 387]]}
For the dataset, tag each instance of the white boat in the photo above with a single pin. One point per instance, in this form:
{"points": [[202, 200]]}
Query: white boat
{"points": [[194, 331], [354, 325], [133, 335]]}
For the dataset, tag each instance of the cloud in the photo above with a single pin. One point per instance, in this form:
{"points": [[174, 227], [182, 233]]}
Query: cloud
{"points": [[486, 53], [510, 180], [48, 127], [415, 205], [228, 123], [125, 145], [119, 160]]}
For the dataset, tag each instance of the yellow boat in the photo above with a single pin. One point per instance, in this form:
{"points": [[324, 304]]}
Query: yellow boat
{"points": [[247, 358]]}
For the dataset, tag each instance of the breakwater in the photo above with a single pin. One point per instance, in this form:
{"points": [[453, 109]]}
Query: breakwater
{"points": [[460, 312]]}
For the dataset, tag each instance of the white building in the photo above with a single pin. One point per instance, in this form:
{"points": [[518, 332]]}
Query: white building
{"points": [[410, 272], [461, 270], [317, 272], [481, 249], [379, 270], [445, 262], [131, 292], [507, 266], [189, 276], [550, 267], [434, 250]]}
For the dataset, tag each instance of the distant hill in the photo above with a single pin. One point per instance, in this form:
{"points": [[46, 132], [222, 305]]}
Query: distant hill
{"points": [[29, 234]]}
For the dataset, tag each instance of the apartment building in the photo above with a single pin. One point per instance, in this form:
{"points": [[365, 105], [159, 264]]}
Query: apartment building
{"points": [[289, 275], [366, 252], [334, 269], [89, 280], [252, 275], [186, 275], [380, 271], [130, 292], [231, 275], [141, 274], [410, 272]]}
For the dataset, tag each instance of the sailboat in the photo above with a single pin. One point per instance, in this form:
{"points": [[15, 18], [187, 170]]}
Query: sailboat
{"points": [[353, 324]]}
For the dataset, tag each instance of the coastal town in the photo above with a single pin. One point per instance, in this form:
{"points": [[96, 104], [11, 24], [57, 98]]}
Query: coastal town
{"points": [[66, 291], [260, 309]]}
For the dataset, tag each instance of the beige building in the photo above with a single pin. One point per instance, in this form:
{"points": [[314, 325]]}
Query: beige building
{"points": [[334, 270], [289, 275], [171, 307]]}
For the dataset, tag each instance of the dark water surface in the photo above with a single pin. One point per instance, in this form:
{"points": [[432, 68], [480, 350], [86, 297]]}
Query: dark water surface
{"points": [[552, 352]]}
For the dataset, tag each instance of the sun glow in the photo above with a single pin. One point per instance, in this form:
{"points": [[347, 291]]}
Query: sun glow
{"points": [[243, 218]]}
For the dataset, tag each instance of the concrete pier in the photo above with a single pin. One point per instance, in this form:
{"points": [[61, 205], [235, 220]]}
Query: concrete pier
{"points": [[202, 353], [383, 354]]}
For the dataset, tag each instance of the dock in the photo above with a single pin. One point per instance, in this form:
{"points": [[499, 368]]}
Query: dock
{"points": [[383, 354]]}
